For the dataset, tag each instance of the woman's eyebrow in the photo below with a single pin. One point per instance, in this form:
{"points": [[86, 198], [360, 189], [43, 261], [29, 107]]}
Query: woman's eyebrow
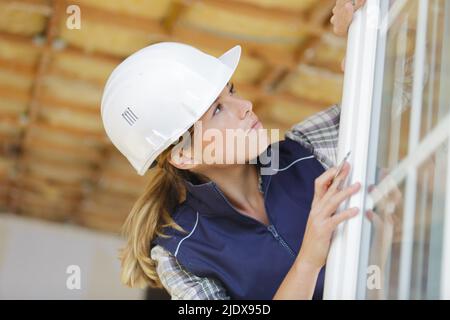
{"points": [[228, 84]]}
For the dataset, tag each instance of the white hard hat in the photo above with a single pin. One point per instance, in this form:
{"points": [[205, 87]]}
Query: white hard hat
{"points": [[155, 95]]}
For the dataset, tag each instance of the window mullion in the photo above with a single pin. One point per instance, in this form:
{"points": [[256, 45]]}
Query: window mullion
{"points": [[444, 107], [414, 136]]}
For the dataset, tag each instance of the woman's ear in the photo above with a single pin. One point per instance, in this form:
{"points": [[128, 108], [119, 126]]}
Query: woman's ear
{"points": [[181, 161]]}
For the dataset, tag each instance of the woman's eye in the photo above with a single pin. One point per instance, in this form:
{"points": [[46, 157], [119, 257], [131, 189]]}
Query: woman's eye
{"points": [[232, 89], [219, 107]]}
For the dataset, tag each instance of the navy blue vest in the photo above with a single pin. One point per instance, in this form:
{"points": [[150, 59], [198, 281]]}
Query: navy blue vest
{"points": [[249, 258]]}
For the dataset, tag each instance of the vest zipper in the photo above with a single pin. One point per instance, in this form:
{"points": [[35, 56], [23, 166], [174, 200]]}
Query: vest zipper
{"points": [[280, 239], [271, 227]]}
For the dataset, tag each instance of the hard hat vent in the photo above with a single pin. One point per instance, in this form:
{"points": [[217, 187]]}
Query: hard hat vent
{"points": [[129, 116]]}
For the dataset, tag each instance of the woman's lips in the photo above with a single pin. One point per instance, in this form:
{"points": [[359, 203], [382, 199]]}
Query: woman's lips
{"points": [[257, 125]]}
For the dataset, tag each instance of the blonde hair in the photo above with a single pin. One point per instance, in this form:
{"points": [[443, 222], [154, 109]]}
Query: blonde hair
{"points": [[149, 215]]}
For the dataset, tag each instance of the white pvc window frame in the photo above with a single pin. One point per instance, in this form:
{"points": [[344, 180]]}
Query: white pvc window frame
{"points": [[361, 100], [343, 259]]}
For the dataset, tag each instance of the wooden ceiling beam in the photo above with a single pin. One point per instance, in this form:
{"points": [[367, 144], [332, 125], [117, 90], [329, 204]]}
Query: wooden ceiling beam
{"points": [[44, 144], [18, 67], [99, 137], [43, 65], [259, 94], [14, 93], [31, 181], [58, 164], [44, 61], [250, 88], [176, 10], [50, 101], [318, 19], [269, 14], [108, 17], [269, 54]]}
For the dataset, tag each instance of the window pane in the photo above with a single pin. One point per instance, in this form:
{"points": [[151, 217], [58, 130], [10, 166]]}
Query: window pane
{"points": [[407, 167]]}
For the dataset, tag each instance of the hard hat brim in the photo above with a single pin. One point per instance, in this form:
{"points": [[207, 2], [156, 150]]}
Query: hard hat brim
{"points": [[231, 57]]}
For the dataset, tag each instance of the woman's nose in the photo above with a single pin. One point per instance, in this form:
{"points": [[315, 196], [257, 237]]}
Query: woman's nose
{"points": [[246, 106]]}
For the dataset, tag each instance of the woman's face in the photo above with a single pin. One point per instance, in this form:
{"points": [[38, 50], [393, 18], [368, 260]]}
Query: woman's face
{"points": [[229, 132]]}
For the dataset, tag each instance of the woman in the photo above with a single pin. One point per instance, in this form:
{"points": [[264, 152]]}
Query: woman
{"points": [[257, 226]]}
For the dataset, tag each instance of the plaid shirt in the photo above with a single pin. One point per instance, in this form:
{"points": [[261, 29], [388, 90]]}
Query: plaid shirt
{"points": [[319, 134]]}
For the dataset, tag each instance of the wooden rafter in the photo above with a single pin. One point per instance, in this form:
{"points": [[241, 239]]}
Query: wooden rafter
{"points": [[318, 18], [44, 60]]}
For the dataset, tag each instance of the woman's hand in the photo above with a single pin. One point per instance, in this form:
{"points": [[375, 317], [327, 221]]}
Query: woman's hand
{"points": [[342, 17], [322, 220]]}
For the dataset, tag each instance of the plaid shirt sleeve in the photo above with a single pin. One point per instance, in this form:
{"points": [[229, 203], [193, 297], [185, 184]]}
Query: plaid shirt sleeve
{"points": [[182, 284], [319, 134]]}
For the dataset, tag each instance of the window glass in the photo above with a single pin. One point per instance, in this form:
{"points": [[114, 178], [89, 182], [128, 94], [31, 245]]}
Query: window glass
{"points": [[402, 235]]}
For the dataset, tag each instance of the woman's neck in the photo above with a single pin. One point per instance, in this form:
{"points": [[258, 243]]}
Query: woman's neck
{"points": [[240, 184]]}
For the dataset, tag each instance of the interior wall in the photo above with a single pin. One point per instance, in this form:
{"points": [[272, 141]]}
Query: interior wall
{"points": [[35, 255]]}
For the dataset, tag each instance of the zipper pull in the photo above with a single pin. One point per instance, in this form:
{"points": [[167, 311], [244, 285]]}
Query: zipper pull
{"points": [[273, 231], [280, 239]]}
